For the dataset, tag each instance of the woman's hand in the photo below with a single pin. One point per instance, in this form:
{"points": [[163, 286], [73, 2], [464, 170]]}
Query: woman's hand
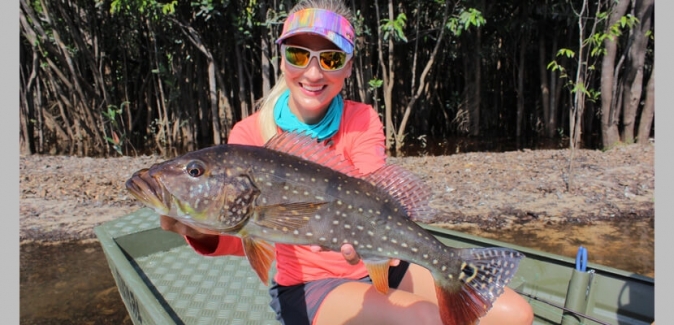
{"points": [[206, 241]]}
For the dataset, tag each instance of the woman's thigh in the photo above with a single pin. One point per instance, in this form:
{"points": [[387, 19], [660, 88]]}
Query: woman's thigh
{"points": [[361, 303]]}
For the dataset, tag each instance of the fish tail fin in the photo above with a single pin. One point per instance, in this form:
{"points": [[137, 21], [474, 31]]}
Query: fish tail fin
{"points": [[466, 293]]}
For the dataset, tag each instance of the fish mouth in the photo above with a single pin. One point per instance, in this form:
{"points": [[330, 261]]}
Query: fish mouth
{"points": [[148, 190]]}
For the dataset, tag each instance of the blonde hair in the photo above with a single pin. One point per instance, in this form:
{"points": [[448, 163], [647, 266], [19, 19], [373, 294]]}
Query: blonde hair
{"points": [[266, 104]]}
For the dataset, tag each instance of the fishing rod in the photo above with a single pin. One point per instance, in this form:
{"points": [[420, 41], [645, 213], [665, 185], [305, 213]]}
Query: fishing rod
{"points": [[588, 317]]}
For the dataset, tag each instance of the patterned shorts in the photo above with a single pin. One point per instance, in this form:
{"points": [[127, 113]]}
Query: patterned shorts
{"points": [[298, 304]]}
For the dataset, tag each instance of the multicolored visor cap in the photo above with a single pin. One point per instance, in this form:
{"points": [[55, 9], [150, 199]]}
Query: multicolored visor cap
{"points": [[322, 22]]}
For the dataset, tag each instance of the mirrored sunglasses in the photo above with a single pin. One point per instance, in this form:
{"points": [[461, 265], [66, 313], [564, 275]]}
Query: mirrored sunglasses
{"points": [[329, 60]]}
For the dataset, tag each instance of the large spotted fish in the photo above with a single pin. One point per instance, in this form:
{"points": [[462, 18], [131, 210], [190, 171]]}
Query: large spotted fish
{"points": [[296, 190]]}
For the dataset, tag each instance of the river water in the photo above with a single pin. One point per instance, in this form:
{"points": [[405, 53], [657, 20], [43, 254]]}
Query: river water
{"points": [[68, 284]]}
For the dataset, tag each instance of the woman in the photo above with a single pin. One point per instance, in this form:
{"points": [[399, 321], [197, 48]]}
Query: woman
{"points": [[323, 287]]}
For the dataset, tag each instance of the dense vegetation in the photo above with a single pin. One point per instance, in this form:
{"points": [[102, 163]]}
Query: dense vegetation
{"points": [[115, 77]]}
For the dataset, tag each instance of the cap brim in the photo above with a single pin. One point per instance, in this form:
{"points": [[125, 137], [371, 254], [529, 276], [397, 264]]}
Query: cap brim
{"points": [[331, 36]]}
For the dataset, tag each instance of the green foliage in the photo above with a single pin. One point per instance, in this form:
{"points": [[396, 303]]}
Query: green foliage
{"points": [[118, 136], [395, 28], [374, 85], [144, 7], [464, 20]]}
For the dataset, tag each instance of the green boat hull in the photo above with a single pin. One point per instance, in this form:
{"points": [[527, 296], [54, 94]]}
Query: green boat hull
{"points": [[163, 281]]}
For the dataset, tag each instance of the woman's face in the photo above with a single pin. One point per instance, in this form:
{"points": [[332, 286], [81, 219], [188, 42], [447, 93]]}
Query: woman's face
{"points": [[311, 88]]}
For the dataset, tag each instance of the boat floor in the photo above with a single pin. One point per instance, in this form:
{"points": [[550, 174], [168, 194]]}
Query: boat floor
{"points": [[164, 281]]}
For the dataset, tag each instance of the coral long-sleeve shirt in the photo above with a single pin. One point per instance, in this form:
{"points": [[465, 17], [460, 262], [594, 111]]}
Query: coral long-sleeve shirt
{"points": [[360, 140]]}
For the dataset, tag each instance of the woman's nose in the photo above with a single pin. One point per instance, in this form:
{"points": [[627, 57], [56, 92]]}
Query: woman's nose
{"points": [[313, 70]]}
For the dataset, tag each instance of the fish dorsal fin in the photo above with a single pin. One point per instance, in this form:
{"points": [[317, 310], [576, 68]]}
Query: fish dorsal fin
{"points": [[302, 145], [407, 189]]}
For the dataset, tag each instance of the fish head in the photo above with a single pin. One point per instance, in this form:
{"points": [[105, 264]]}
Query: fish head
{"points": [[198, 189]]}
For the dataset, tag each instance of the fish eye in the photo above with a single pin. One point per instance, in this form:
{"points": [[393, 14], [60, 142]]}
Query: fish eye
{"points": [[195, 168]]}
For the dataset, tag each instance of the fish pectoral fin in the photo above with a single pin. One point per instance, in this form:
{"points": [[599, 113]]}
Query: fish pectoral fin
{"points": [[260, 255], [288, 215], [378, 270]]}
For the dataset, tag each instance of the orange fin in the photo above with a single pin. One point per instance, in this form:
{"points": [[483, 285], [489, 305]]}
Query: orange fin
{"points": [[288, 215], [260, 255], [378, 271], [461, 308], [467, 293]]}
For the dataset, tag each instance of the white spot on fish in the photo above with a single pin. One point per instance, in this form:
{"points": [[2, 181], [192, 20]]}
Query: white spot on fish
{"points": [[317, 217], [370, 233], [359, 227], [347, 226], [335, 222], [309, 234]]}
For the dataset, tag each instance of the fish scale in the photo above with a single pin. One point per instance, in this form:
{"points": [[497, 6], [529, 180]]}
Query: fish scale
{"points": [[296, 190]]}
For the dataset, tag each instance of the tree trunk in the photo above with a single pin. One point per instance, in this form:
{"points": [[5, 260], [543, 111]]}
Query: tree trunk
{"points": [[243, 109], [476, 96], [634, 76], [646, 120], [265, 61], [545, 86], [388, 75], [609, 126], [520, 86], [400, 137]]}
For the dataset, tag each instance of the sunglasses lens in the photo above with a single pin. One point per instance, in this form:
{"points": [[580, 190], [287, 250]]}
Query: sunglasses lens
{"points": [[297, 57], [333, 60], [329, 60]]}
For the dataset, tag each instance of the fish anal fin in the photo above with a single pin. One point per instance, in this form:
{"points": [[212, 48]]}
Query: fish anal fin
{"points": [[464, 307], [469, 290], [260, 255], [378, 271], [290, 216]]}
